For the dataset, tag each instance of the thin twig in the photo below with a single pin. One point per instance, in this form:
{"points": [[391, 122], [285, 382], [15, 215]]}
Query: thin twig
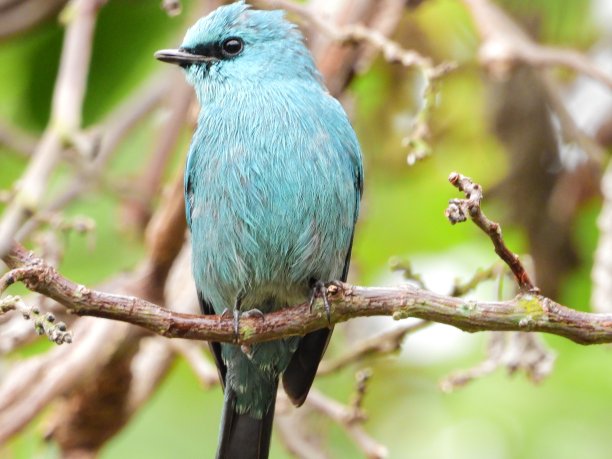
{"points": [[44, 324], [345, 417], [352, 33], [362, 377], [385, 343], [514, 351], [481, 275], [193, 354], [459, 209]]}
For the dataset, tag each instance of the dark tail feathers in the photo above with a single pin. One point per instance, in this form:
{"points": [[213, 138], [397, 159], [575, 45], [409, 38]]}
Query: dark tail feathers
{"points": [[242, 436], [302, 369]]}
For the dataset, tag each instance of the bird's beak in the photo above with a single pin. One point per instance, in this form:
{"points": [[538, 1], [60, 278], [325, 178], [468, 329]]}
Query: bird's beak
{"points": [[181, 57]]}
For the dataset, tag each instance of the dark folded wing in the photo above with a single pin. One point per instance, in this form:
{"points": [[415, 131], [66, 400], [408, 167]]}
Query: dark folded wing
{"points": [[300, 374], [215, 348]]}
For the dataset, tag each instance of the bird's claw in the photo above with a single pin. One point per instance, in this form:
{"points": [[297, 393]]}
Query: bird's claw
{"points": [[236, 324], [254, 313], [237, 315], [226, 312], [319, 289]]}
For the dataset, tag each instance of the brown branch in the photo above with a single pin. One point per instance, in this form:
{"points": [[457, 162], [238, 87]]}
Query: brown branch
{"points": [[457, 211], [526, 312]]}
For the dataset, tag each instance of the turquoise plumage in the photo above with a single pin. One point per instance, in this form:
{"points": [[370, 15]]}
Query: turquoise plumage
{"points": [[272, 189]]}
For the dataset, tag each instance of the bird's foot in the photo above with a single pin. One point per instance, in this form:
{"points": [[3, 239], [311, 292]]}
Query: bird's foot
{"points": [[246, 348], [254, 313], [320, 289], [226, 312], [236, 324], [237, 314]]}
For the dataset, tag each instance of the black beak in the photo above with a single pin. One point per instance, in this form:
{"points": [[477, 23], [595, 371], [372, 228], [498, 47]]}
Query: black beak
{"points": [[181, 57]]}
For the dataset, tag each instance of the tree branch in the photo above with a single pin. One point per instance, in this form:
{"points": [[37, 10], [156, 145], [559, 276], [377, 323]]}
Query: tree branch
{"points": [[529, 311], [345, 417], [352, 33], [457, 211], [526, 312], [504, 44]]}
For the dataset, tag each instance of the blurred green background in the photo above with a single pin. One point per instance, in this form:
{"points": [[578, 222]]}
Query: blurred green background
{"points": [[566, 416]]}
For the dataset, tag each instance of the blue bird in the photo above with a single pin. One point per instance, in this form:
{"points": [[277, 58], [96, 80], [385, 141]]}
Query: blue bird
{"points": [[272, 189]]}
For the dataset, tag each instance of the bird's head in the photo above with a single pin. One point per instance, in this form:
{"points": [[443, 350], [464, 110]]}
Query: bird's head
{"points": [[238, 45]]}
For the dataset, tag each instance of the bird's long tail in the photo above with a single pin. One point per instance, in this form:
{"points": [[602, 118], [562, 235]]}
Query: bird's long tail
{"points": [[243, 436]]}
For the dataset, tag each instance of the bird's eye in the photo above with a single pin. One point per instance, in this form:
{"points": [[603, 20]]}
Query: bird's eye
{"points": [[232, 47]]}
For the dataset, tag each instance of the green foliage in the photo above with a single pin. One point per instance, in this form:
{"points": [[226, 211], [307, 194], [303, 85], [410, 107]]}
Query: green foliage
{"points": [[554, 21]]}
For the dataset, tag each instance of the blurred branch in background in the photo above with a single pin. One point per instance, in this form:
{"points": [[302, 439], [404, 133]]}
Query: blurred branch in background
{"points": [[513, 351], [385, 343], [17, 16], [602, 271], [17, 140], [505, 45], [80, 17], [367, 25]]}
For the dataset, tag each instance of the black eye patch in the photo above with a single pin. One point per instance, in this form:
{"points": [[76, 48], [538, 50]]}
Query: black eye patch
{"points": [[227, 49]]}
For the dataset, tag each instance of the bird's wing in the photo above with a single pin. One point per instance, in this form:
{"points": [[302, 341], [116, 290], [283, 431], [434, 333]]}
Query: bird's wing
{"points": [[205, 306], [188, 188], [358, 193], [301, 371], [215, 348]]}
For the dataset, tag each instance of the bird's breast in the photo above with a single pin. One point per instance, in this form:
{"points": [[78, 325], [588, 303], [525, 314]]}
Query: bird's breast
{"points": [[272, 204]]}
